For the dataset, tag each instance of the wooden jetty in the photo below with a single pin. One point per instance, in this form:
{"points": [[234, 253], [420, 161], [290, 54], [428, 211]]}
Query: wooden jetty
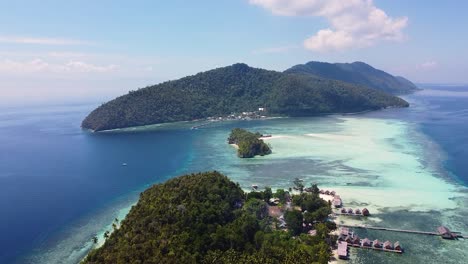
{"points": [[438, 233]]}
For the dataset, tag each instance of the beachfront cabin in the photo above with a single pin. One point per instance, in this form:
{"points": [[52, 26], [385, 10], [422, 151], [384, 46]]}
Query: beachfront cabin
{"points": [[387, 245], [356, 240], [397, 246], [327, 192], [358, 212], [350, 211], [337, 203], [343, 211], [343, 250], [332, 193], [445, 233], [321, 191], [365, 212], [377, 244], [366, 242]]}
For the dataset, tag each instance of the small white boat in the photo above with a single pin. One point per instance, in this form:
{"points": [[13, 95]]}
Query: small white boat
{"points": [[124, 164]]}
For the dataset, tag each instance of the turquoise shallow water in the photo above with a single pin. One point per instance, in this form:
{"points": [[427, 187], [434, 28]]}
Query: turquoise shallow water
{"points": [[392, 162]]}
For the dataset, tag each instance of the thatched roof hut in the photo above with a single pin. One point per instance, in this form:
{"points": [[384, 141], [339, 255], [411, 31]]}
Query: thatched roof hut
{"points": [[397, 246], [377, 244], [366, 242], [349, 239], [356, 240], [344, 211], [387, 245], [445, 232], [350, 211], [357, 211], [365, 212]]}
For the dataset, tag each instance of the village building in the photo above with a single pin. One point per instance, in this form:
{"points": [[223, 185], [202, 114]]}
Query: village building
{"points": [[350, 211], [343, 211], [343, 250], [357, 211]]}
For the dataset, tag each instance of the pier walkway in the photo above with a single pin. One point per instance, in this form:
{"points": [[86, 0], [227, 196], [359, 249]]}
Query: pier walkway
{"points": [[456, 234]]}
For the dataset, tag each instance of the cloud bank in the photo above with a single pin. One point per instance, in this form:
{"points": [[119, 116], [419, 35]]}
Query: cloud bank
{"points": [[9, 66], [41, 41], [353, 23]]}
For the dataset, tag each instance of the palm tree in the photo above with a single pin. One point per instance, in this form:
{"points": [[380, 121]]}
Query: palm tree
{"points": [[95, 239], [106, 235]]}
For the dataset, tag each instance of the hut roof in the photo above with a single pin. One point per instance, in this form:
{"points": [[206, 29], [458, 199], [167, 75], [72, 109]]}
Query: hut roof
{"points": [[443, 230], [397, 244], [350, 210], [356, 238], [377, 243], [366, 242], [332, 192], [343, 249], [365, 211], [357, 211], [387, 244], [343, 210]]}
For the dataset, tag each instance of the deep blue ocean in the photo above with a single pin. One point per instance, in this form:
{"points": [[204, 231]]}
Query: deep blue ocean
{"points": [[54, 176]]}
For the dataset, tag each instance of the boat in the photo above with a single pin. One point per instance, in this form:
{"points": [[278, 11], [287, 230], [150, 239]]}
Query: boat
{"points": [[124, 164]]}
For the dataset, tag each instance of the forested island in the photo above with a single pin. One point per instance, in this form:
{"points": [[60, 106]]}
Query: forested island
{"points": [[248, 144], [358, 73], [235, 89], [206, 218]]}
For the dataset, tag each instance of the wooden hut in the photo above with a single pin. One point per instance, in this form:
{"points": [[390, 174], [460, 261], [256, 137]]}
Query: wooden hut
{"points": [[397, 246], [358, 212], [349, 239], [356, 240], [365, 212], [343, 250], [366, 242], [387, 245], [344, 231], [350, 211], [337, 203], [327, 192], [377, 244], [332, 193], [344, 211], [445, 233], [321, 191], [342, 237]]}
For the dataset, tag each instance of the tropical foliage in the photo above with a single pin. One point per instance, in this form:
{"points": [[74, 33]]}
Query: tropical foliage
{"points": [[248, 144], [205, 218], [235, 89]]}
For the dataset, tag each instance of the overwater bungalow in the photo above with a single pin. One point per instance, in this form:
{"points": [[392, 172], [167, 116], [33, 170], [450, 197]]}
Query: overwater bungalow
{"points": [[344, 211], [377, 244], [349, 239], [350, 211], [327, 192], [342, 237], [366, 242], [332, 193], [445, 233], [357, 211], [365, 212], [337, 203], [397, 246], [356, 240], [387, 245]]}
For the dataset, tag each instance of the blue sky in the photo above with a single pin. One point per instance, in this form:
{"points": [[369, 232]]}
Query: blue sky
{"points": [[76, 50]]}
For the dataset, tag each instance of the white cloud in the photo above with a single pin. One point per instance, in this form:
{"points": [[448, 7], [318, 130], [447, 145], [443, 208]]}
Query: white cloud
{"points": [[282, 49], [40, 66], [353, 23], [428, 65], [41, 41]]}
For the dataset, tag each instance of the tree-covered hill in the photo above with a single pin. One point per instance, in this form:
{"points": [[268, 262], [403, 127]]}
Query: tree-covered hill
{"points": [[358, 73], [205, 218], [235, 88]]}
